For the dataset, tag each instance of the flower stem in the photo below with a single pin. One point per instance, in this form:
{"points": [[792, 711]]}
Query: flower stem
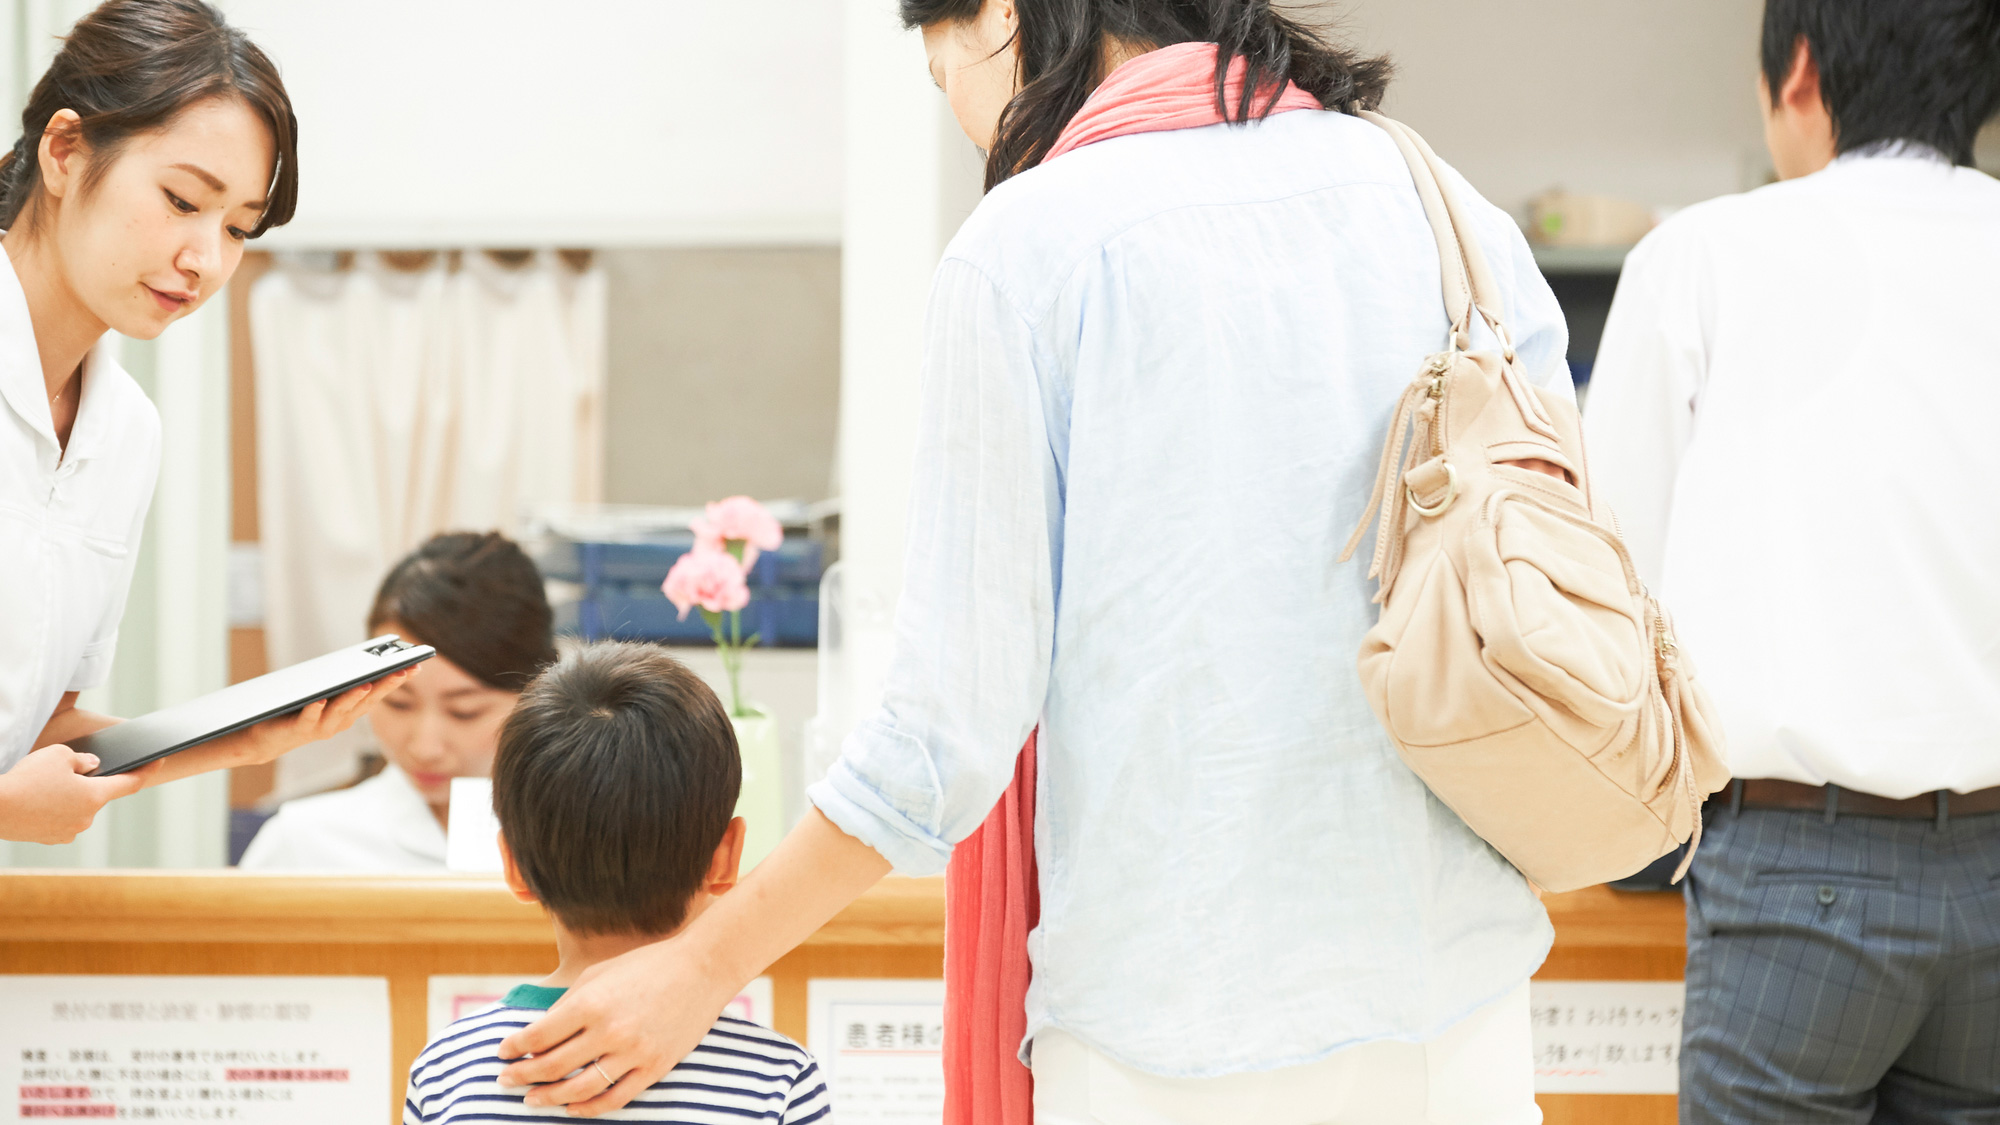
{"points": [[732, 662]]}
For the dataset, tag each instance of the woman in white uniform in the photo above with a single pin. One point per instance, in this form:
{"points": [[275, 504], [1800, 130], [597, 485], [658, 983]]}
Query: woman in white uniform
{"points": [[159, 140], [479, 601]]}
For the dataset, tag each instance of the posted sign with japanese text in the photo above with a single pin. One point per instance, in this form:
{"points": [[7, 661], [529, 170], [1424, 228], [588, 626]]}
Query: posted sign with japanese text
{"points": [[252, 1050], [1607, 1036], [881, 1044]]}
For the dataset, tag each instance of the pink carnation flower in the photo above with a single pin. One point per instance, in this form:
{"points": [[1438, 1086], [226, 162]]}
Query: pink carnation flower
{"points": [[739, 519], [709, 578]]}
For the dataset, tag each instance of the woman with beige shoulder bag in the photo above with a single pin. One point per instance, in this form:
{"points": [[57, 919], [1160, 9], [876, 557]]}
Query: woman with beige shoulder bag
{"points": [[1159, 362]]}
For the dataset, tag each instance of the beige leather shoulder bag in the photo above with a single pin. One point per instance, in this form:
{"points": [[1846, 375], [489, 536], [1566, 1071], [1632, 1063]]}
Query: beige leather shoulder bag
{"points": [[1521, 667]]}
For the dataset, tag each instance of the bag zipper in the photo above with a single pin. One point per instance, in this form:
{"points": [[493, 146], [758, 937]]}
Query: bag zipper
{"points": [[1440, 371]]}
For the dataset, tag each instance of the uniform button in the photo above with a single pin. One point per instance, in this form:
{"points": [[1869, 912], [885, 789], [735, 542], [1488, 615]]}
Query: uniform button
{"points": [[1826, 895]]}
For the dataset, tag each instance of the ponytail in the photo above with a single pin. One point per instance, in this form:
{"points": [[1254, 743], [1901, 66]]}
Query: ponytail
{"points": [[13, 174], [1061, 45]]}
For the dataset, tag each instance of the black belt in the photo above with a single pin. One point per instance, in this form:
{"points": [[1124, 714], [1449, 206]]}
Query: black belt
{"points": [[1939, 805]]}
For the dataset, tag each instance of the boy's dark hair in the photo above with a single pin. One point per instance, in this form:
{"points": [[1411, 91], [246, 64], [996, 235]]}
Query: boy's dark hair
{"points": [[616, 779], [1894, 70], [478, 600]]}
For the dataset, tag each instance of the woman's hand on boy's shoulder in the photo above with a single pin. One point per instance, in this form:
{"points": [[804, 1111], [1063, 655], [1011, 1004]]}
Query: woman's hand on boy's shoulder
{"points": [[626, 1023]]}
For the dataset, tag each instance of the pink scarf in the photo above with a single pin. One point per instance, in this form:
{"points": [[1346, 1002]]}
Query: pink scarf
{"points": [[992, 898], [1171, 88]]}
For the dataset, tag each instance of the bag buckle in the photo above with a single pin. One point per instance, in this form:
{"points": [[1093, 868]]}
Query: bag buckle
{"points": [[1450, 494]]}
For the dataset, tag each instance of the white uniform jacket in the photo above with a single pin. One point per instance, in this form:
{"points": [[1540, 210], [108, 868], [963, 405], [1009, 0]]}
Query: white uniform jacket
{"points": [[382, 824], [70, 522]]}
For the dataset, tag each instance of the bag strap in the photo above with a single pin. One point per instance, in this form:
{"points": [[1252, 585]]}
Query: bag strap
{"points": [[1468, 287], [1468, 282]]}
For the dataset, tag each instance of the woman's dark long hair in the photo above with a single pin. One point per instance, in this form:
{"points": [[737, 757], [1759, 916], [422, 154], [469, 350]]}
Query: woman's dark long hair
{"points": [[132, 66], [476, 598], [1062, 50]]}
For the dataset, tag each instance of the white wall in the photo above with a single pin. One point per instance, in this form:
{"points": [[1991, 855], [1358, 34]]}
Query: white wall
{"points": [[912, 178], [724, 373], [518, 122], [1653, 101]]}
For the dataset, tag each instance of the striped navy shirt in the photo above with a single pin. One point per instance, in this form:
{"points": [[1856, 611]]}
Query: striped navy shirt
{"points": [[740, 1073]]}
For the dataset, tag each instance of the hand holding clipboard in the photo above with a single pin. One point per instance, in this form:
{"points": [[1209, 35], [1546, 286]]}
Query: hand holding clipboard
{"points": [[322, 696], [44, 800]]}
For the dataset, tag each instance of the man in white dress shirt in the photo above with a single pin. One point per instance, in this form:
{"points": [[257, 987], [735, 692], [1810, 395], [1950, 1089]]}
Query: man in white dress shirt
{"points": [[1794, 413]]}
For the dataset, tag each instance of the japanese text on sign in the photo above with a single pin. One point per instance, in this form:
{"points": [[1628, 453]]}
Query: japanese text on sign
{"points": [[1606, 1037], [881, 1044], [227, 1049]]}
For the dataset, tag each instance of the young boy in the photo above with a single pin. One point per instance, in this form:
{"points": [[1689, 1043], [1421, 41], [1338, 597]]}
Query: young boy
{"points": [[616, 777]]}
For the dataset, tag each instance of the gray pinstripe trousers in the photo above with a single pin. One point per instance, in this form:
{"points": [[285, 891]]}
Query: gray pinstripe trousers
{"points": [[1843, 973]]}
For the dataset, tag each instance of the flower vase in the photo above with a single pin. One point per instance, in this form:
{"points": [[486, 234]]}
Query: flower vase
{"points": [[761, 802]]}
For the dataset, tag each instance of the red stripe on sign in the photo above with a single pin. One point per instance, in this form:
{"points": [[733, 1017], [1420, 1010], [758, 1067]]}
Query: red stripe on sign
{"points": [[69, 1111], [284, 1074], [55, 1093]]}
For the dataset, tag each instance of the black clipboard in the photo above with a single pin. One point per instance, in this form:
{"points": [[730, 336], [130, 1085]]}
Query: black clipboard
{"points": [[131, 744]]}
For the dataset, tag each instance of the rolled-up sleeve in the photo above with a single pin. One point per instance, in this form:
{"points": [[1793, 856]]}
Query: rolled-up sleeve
{"points": [[976, 618]]}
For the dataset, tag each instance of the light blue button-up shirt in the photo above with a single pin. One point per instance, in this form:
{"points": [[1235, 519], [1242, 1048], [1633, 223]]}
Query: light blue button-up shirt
{"points": [[1158, 373]]}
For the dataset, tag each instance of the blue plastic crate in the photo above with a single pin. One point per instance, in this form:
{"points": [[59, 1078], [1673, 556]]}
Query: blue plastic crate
{"points": [[796, 561], [792, 618], [613, 615], [777, 617]]}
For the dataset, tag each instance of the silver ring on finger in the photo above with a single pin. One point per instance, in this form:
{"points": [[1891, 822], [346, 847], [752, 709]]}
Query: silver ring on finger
{"points": [[597, 1065]]}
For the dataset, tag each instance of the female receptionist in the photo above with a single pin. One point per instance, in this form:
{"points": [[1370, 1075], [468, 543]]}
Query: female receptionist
{"points": [[159, 140], [478, 601]]}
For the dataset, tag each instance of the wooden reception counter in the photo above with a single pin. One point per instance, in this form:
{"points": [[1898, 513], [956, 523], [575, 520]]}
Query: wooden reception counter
{"points": [[408, 928]]}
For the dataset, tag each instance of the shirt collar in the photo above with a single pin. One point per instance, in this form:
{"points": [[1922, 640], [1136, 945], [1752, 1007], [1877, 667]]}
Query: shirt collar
{"points": [[1894, 150], [93, 412], [27, 393], [21, 382], [532, 996]]}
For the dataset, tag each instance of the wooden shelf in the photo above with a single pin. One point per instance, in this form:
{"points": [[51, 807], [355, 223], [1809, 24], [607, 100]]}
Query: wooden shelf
{"points": [[238, 906], [1599, 917], [406, 928]]}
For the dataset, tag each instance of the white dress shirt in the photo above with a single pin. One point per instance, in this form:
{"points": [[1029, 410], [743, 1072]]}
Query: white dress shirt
{"points": [[1796, 414], [1158, 373], [70, 523], [382, 824]]}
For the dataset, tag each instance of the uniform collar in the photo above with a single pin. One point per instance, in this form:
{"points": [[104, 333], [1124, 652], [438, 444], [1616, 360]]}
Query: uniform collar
{"points": [[21, 382], [415, 827], [101, 376], [27, 393]]}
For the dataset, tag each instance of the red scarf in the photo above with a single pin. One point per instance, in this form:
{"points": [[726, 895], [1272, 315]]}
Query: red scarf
{"points": [[992, 898]]}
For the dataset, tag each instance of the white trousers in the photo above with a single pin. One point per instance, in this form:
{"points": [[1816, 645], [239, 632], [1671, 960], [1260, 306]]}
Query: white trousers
{"points": [[1479, 1072]]}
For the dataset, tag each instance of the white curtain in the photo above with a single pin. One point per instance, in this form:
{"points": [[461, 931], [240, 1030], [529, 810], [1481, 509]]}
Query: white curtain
{"points": [[395, 404]]}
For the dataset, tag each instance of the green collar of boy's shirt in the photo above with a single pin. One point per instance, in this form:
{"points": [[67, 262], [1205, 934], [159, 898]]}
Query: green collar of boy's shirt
{"points": [[532, 996]]}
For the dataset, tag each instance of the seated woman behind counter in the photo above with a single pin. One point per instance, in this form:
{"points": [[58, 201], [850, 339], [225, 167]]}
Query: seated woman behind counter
{"points": [[479, 601]]}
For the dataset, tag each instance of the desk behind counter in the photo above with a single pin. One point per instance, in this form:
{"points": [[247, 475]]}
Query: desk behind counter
{"points": [[409, 928]]}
